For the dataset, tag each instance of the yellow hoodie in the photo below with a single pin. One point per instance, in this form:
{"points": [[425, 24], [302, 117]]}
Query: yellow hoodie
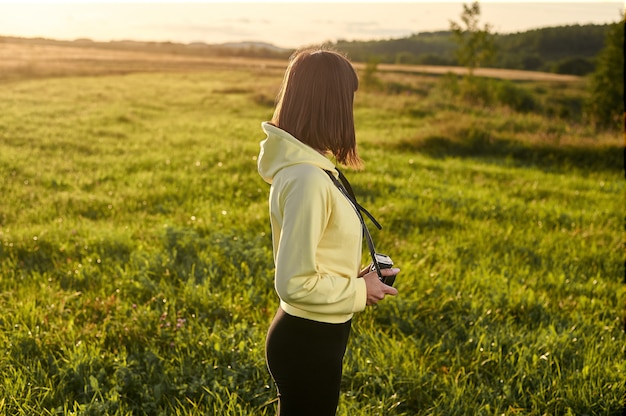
{"points": [[316, 233]]}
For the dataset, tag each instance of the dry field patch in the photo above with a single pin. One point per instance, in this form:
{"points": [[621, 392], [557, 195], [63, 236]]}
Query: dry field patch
{"points": [[511, 74], [20, 60], [23, 60]]}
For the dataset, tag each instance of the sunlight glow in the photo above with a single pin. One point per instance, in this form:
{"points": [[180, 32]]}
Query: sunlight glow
{"points": [[282, 23]]}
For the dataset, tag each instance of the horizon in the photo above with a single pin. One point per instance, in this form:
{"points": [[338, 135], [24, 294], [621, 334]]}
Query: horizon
{"points": [[286, 25]]}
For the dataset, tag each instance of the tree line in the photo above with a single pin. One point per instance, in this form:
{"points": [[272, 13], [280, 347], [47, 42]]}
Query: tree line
{"points": [[564, 49]]}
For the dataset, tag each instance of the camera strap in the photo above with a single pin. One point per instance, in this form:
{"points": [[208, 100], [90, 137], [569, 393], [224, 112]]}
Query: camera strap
{"points": [[346, 189]]}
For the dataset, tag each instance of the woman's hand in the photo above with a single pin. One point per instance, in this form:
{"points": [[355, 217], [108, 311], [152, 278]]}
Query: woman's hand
{"points": [[377, 290]]}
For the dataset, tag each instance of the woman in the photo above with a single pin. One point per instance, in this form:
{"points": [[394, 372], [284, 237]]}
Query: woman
{"points": [[316, 232]]}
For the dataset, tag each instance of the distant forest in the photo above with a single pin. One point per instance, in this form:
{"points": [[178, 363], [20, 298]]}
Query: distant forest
{"points": [[564, 49]]}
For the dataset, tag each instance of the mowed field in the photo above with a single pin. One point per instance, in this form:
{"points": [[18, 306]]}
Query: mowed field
{"points": [[135, 250]]}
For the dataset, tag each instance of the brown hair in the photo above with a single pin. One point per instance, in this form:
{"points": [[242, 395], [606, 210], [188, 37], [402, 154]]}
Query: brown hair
{"points": [[315, 103]]}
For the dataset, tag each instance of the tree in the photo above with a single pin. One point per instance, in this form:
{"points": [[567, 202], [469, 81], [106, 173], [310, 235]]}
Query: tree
{"points": [[606, 104], [476, 46], [369, 80]]}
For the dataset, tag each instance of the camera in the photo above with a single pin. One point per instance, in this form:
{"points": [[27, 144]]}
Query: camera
{"points": [[384, 262]]}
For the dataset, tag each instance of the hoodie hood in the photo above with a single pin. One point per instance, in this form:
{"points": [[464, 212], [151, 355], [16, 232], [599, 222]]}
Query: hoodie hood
{"points": [[280, 150]]}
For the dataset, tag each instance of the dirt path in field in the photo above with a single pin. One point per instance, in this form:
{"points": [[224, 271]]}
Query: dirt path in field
{"points": [[23, 60]]}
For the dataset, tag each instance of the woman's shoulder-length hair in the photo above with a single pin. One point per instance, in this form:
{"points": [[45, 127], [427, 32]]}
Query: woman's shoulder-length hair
{"points": [[315, 103]]}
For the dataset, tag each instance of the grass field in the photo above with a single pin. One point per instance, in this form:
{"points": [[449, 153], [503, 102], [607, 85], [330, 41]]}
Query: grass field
{"points": [[136, 266]]}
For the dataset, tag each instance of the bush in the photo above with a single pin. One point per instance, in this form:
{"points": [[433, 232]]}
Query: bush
{"points": [[514, 97], [574, 66]]}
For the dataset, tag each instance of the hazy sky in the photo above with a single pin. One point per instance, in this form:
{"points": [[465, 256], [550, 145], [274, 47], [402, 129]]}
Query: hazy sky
{"points": [[287, 24]]}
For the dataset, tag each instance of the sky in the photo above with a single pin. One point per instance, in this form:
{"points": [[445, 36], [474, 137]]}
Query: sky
{"points": [[287, 24]]}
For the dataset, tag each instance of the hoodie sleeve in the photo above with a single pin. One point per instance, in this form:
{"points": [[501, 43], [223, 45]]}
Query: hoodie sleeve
{"points": [[304, 203]]}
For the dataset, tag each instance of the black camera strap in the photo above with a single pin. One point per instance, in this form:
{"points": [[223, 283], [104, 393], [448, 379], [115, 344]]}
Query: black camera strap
{"points": [[346, 189]]}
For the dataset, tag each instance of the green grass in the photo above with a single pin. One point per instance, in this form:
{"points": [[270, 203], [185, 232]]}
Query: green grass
{"points": [[136, 266]]}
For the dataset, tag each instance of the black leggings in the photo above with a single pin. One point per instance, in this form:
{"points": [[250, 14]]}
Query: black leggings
{"points": [[304, 358]]}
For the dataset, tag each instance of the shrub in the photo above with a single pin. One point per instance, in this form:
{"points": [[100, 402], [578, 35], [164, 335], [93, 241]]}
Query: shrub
{"points": [[514, 97]]}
